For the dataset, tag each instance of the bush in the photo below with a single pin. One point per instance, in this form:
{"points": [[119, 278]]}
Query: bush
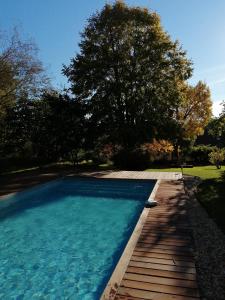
{"points": [[103, 153], [216, 157], [200, 154], [76, 156], [131, 159], [158, 150]]}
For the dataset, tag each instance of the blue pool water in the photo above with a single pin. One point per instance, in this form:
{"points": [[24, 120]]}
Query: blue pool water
{"points": [[63, 239]]}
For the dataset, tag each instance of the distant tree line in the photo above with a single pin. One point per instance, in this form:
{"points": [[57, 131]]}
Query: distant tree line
{"points": [[128, 95]]}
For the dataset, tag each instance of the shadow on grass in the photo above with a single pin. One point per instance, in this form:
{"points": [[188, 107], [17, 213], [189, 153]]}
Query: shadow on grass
{"points": [[211, 194]]}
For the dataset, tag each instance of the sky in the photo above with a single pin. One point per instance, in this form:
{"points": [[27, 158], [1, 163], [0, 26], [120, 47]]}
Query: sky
{"points": [[55, 26]]}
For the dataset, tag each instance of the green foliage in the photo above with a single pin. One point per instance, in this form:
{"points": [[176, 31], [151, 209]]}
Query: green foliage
{"points": [[76, 156], [59, 127], [217, 128], [217, 156], [128, 73], [200, 154], [47, 130]]}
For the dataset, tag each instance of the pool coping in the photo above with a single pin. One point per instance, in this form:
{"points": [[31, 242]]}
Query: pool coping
{"points": [[110, 290]]}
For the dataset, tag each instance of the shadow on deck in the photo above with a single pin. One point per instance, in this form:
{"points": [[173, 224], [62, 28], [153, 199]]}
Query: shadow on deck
{"points": [[162, 265]]}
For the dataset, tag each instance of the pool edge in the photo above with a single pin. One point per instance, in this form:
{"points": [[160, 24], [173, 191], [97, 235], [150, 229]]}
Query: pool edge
{"points": [[110, 290]]}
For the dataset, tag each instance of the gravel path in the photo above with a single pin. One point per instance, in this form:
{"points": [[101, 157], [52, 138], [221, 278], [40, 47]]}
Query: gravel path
{"points": [[210, 247]]}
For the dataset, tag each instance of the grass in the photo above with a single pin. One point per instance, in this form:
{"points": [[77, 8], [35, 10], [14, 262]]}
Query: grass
{"points": [[211, 192], [204, 172]]}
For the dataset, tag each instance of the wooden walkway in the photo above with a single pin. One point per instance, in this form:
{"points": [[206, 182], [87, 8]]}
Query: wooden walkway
{"points": [[133, 175], [162, 264]]}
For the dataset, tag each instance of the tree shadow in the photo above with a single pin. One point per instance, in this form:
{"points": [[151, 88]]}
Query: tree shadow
{"points": [[166, 240], [211, 196], [16, 182]]}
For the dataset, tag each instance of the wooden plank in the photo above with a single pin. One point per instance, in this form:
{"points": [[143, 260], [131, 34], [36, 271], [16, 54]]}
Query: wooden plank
{"points": [[161, 273], [161, 267], [147, 295], [153, 260], [122, 297], [167, 218], [171, 231], [166, 234], [163, 256], [152, 231], [143, 247], [161, 245], [156, 225], [141, 276], [159, 223], [171, 262], [171, 224], [161, 288], [165, 241]]}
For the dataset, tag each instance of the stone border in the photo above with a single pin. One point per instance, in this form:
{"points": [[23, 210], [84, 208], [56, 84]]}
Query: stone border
{"points": [[110, 290], [209, 243]]}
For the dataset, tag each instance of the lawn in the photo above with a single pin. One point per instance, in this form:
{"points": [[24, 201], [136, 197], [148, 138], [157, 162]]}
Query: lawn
{"points": [[204, 172], [211, 192]]}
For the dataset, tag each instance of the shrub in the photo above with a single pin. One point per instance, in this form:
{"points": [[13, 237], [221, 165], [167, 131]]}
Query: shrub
{"points": [[200, 154], [107, 151], [158, 149], [217, 156], [103, 153], [77, 156]]}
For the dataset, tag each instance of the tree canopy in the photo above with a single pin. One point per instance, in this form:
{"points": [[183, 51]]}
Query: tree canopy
{"points": [[195, 110], [128, 74]]}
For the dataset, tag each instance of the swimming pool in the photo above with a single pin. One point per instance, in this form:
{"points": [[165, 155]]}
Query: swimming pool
{"points": [[62, 240]]}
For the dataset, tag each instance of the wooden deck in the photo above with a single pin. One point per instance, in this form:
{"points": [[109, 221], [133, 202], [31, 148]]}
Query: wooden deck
{"points": [[162, 265], [133, 175]]}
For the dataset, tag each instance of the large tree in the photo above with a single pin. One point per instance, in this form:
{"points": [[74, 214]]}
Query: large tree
{"points": [[128, 74]]}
